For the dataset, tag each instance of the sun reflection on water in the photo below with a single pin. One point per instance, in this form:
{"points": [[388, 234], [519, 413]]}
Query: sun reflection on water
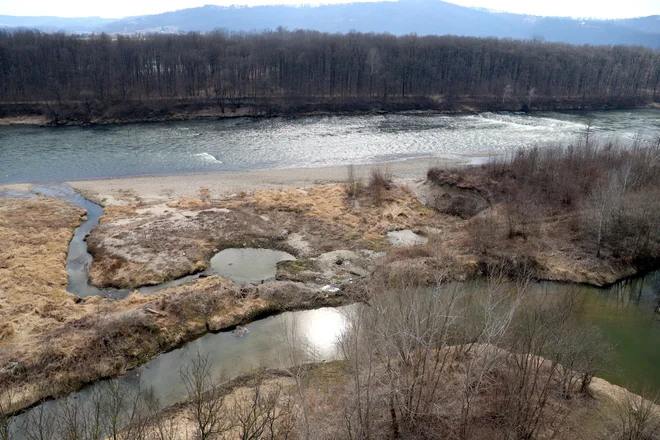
{"points": [[322, 329]]}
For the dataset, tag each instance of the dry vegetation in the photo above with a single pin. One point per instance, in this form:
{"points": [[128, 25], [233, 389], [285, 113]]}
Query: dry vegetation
{"points": [[47, 333], [585, 213], [417, 365], [455, 364], [143, 248], [34, 238]]}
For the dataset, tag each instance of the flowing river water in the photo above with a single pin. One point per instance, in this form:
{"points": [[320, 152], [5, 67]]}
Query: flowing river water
{"points": [[31, 154], [625, 312]]}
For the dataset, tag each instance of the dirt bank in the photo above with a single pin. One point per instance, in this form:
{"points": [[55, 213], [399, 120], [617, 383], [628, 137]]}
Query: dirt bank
{"points": [[162, 243], [162, 110]]}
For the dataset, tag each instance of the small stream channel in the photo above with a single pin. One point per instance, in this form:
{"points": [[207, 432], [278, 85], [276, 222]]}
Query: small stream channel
{"points": [[243, 266]]}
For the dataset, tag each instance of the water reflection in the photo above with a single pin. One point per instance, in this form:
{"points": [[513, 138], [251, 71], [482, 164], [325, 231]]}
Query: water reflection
{"points": [[247, 265], [626, 314], [75, 153], [230, 356]]}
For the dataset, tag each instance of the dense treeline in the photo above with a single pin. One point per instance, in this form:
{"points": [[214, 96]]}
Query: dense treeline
{"points": [[226, 68]]}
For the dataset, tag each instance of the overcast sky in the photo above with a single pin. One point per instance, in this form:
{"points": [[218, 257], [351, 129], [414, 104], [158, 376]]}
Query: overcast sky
{"points": [[122, 8]]}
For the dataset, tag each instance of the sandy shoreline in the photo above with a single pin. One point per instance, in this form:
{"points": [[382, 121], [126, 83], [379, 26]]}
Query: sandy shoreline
{"points": [[154, 189]]}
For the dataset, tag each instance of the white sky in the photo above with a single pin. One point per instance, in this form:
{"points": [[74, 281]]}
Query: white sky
{"points": [[122, 8]]}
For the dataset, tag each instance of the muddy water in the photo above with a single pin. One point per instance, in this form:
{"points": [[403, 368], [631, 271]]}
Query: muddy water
{"points": [[30, 154], [248, 265]]}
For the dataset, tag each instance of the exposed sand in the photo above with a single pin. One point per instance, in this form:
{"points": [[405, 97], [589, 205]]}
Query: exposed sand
{"points": [[23, 120], [154, 189]]}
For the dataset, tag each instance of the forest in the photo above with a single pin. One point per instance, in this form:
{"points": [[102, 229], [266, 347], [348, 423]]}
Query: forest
{"points": [[228, 70]]}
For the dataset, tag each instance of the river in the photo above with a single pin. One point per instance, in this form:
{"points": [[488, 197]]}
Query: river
{"points": [[33, 154]]}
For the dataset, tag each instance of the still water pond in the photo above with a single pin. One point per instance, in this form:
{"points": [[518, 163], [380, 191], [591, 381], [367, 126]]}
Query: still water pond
{"points": [[247, 265], [29, 154]]}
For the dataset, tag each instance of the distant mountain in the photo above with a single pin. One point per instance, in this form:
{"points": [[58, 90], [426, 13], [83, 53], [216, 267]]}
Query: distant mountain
{"points": [[423, 17], [55, 24]]}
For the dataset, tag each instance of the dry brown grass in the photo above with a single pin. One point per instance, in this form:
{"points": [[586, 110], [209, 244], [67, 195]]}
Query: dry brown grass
{"points": [[34, 237], [185, 235], [399, 208], [49, 335], [543, 206], [113, 213], [52, 335]]}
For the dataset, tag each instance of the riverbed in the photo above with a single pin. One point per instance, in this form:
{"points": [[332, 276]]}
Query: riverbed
{"points": [[37, 154]]}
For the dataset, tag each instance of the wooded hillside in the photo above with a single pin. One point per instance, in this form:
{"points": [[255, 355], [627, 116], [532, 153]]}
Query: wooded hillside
{"points": [[226, 68]]}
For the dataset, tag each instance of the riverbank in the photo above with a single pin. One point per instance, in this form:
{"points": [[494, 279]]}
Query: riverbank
{"points": [[328, 399], [160, 110], [156, 230], [162, 189], [47, 333]]}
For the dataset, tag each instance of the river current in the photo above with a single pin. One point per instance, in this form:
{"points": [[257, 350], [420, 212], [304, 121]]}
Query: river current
{"points": [[33, 154]]}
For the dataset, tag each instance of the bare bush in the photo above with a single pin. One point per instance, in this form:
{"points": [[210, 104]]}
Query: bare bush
{"points": [[380, 181], [296, 353], [487, 329], [205, 398], [405, 328], [549, 353], [264, 411], [484, 230], [604, 197], [635, 418], [6, 406], [355, 186]]}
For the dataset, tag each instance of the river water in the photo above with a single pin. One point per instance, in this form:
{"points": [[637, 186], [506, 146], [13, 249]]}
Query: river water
{"points": [[30, 154]]}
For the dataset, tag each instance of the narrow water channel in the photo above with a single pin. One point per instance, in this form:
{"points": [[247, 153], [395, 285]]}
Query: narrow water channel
{"points": [[230, 354], [242, 266]]}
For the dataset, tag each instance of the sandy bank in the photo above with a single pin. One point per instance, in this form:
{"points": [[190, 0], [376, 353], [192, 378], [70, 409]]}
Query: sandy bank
{"points": [[164, 188], [151, 189]]}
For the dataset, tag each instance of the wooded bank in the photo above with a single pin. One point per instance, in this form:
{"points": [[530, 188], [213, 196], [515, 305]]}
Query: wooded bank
{"points": [[67, 78]]}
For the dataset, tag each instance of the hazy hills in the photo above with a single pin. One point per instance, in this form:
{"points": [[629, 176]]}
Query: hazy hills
{"points": [[406, 16]]}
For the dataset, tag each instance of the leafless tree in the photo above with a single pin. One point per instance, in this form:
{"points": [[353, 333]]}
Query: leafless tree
{"points": [[205, 398], [635, 418], [264, 411], [495, 310], [603, 201], [296, 353], [6, 409], [531, 94]]}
